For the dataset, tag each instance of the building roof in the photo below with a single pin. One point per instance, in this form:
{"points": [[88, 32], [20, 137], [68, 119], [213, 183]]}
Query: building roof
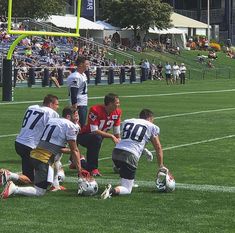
{"points": [[181, 21], [165, 31], [71, 22], [107, 26]]}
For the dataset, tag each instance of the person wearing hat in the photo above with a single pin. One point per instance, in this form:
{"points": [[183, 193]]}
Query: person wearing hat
{"points": [[182, 73]]}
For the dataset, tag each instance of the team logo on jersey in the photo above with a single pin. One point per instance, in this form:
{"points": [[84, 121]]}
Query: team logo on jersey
{"points": [[92, 116], [114, 117]]}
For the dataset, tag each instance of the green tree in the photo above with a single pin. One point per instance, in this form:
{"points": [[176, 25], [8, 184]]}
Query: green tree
{"points": [[34, 8], [137, 14]]}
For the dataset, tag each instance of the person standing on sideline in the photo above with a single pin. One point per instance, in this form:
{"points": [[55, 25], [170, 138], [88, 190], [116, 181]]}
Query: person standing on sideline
{"points": [[136, 132], [57, 133], [182, 73], [77, 85], [101, 118], [34, 121], [176, 72], [168, 73]]}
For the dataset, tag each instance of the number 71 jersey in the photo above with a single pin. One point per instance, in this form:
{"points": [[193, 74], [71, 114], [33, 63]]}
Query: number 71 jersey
{"points": [[135, 134], [34, 121]]}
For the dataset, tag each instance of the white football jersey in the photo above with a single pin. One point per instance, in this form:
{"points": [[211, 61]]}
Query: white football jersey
{"points": [[58, 131], [135, 134], [34, 121], [78, 81]]}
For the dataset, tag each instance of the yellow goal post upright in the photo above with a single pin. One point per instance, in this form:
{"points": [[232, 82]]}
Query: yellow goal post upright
{"points": [[8, 77]]}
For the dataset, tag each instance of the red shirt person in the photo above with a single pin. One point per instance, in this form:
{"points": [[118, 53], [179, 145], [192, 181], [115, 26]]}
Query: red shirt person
{"points": [[101, 119]]}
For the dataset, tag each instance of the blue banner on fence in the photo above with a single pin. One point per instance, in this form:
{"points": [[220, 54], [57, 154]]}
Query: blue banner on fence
{"points": [[88, 8]]}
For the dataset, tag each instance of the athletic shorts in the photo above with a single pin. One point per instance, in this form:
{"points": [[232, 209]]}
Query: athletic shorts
{"points": [[126, 171]]}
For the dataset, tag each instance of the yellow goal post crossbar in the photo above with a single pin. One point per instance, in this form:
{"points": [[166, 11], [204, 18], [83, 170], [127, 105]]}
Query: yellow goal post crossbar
{"points": [[42, 33]]}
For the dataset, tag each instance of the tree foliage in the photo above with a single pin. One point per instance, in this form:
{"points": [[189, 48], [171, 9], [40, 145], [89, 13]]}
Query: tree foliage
{"points": [[137, 14], [33, 8]]}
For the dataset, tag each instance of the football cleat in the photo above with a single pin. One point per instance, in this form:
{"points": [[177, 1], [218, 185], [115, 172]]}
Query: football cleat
{"points": [[8, 190], [95, 172], [4, 177], [106, 194], [1, 177]]}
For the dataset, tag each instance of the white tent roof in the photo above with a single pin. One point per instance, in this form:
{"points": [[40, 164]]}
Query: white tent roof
{"points": [[165, 31], [185, 22], [71, 22], [107, 26]]}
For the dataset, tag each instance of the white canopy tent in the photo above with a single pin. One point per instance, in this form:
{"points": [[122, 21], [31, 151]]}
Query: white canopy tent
{"points": [[86, 27], [71, 22], [108, 26], [178, 36]]}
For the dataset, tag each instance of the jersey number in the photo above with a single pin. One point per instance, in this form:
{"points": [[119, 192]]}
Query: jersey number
{"points": [[109, 124], [48, 131], [84, 90], [134, 132], [29, 117]]}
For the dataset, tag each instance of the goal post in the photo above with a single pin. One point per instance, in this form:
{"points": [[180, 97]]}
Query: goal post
{"points": [[42, 33], [8, 77]]}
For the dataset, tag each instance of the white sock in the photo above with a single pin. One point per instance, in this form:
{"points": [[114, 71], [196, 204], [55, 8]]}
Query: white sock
{"points": [[123, 190], [30, 191], [14, 176], [126, 186]]}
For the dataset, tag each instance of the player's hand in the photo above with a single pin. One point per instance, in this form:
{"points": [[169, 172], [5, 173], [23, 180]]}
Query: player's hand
{"points": [[115, 139], [84, 173], [162, 168]]}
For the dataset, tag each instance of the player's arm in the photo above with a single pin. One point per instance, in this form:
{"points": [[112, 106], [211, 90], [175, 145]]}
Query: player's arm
{"points": [[117, 127], [158, 148], [75, 154], [73, 96], [65, 150], [106, 135]]}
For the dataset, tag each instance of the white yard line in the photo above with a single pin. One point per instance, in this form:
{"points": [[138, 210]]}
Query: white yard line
{"points": [[129, 96], [186, 144], [195, 113], [199, 142], [151, 184], [7, 135]]}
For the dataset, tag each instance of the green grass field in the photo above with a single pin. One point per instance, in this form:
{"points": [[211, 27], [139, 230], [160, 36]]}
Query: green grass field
{"points": [[197, 133]]}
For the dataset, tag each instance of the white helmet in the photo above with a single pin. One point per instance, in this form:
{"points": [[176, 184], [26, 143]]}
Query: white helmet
{"points": [[165, 181], [87, 186]]}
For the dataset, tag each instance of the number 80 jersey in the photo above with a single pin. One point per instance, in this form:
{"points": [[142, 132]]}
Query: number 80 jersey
{"points": [[135, 134]]}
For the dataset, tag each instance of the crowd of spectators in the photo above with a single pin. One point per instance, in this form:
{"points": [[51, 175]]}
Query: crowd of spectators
{"points": [[55, 52]]}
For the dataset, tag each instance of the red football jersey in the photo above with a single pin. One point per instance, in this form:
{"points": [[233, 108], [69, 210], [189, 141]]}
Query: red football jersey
{"points": [[98, 117]]}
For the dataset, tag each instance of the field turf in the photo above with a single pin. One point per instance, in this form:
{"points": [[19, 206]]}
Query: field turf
{"points": [[198, 137]]}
